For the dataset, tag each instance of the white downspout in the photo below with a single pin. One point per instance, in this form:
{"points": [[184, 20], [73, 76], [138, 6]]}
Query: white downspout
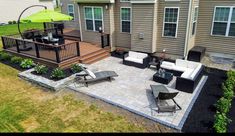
{"points": [[187, 31], [80, 23]]}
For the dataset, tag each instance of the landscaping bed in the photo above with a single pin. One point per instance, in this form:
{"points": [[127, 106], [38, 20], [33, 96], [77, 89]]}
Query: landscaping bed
{"points": [[67, 73], [202, 116]]}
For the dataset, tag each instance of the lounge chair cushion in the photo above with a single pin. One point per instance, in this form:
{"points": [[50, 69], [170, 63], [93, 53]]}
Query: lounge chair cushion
{"points": [[90, 73]]}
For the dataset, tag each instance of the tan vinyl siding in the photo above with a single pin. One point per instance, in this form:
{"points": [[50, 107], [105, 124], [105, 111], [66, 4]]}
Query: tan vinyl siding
{"points": [[74, 23], [218, 44], [192, 38], [142, 18], [176, 45], [122, 39], [92, 36]]}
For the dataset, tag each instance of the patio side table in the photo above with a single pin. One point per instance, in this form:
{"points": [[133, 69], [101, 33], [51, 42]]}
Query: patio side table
{"points": [[163, 78]]}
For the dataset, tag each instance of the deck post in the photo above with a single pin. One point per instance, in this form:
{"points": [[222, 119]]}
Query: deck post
{"points": [[37, 50], [17, 46], [102, 40], [108, 39], [57, 54], [78, 48], [3, 43]]}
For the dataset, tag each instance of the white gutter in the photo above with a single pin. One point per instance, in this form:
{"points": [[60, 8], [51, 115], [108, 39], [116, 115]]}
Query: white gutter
{"points": [[187, 31]]}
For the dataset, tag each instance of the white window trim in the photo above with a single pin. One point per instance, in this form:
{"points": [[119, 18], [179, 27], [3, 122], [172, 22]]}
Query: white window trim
{"points": [[195, 21], [71, 12], [93, 17], [125, 1], [177, 22], [228, 22], [125, 20]]}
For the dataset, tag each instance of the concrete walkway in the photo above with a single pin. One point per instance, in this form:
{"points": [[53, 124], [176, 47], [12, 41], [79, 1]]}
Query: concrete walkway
{"points": [[131, 91]]}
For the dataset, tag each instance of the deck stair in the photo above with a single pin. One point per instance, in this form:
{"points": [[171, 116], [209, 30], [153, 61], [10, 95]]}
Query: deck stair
{"points": [[95, 53]]}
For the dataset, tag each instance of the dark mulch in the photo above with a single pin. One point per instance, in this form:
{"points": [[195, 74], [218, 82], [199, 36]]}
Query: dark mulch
{"points": [[201, 117], [15, 66], [118, 54], [67, 73]]}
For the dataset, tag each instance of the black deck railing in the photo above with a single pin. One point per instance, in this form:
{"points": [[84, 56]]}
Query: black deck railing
{"points": [[105, 40], [56, 53]]}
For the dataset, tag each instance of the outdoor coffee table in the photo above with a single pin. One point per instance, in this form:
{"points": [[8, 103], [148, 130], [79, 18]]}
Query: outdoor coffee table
{"points": [[163, 78]]}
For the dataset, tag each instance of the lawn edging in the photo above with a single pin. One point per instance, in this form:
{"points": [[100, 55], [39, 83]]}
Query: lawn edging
{"points": [[42, 81]]}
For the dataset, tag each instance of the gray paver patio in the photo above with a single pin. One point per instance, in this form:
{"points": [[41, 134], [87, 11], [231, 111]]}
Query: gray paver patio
{"points": [[131, 90]]}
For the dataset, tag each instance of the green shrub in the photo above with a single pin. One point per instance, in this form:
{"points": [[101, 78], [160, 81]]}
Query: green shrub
{"points": [[40, 69], [223, 105], [221, 122], [57, 74], [9, 22], [27, 63], [76, 68], [5, 56], [13, 22], [16, 60]]}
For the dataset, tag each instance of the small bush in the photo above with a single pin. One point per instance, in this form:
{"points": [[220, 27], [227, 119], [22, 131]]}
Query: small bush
{"points": [[9, 22], [40, 69], [13, 22], [27, 63], [5, 56], [76, 68], [223, 105], [57, 74], [16, 60], [221, 122]]}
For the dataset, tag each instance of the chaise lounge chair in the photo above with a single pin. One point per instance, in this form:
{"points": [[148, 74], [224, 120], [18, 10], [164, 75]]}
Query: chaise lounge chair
{"points": [[97, 76], [161, 94]]}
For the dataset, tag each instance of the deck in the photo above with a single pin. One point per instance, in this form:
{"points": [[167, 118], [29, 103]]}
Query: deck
{"points": [[62, 56]]}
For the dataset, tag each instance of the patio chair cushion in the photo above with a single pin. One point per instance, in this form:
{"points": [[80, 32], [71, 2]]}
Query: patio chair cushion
{"points": [[90, 73]]}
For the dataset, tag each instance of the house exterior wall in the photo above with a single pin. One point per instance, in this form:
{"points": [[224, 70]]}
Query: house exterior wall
{"points": [[143, 22], [13, 8], [74, 23], [122, 39], [218, 44], [176, 45], [92, 36]]}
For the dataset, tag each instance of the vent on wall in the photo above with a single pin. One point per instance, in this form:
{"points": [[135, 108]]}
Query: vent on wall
{"points": [[141, 35]]}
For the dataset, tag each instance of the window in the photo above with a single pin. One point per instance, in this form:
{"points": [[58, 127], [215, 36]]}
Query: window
{"points": [[224, 21], [195, 20], [126, 20], [170, 22], [124, 0], [71, 10], [94, 18]]}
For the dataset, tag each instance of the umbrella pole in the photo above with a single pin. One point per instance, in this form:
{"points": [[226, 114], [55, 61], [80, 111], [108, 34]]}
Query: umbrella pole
{"points": [[18, 22]]}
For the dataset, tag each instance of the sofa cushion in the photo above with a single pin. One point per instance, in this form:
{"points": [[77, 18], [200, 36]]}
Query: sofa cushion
{"points": [[141, 55], [134, 60], [181, 69], [181, 63], [192, 64], [196, 70], [187, 74], [167, 65], [137, 55], [132, 54]]}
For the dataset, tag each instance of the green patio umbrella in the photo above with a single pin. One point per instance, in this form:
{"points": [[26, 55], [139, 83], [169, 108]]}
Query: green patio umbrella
{"points": [[46, 16]]}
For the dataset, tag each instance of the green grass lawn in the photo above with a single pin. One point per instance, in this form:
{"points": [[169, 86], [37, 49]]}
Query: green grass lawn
{"points": [[27, 108], [13, 29]]}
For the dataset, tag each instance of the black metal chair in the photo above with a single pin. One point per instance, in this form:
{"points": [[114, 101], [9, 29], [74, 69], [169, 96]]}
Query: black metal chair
{"points": [[163, 106]]}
